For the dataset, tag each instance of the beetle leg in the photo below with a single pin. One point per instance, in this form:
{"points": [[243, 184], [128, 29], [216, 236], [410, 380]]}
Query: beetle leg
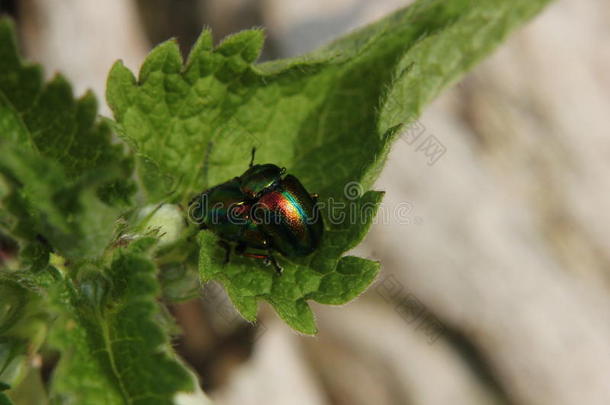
{"points": [[314, 196], [227, 249], [276, 265], [266, 258]]}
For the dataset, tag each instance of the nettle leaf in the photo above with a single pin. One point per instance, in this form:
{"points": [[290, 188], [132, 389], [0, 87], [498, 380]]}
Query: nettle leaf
{"points": [[4, 400], [23, 324], [329, 117], [68, 181], [114, 350]]}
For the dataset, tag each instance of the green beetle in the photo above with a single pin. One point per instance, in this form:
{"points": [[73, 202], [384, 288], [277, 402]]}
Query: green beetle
{"points": [[261, 210]]}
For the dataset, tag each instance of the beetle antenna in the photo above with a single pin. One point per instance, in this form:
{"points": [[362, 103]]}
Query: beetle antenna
{"points": [[252, 158]]}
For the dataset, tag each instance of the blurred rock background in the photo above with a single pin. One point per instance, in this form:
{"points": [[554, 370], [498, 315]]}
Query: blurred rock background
{"points": [[494, 290]]}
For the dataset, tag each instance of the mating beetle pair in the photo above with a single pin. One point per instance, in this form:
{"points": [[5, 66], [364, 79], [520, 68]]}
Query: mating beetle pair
{"points": [[262, 210]]}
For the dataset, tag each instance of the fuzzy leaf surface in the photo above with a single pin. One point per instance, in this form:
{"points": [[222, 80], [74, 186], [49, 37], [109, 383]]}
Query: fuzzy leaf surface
{"points": [[114, 348], [67, 181]]}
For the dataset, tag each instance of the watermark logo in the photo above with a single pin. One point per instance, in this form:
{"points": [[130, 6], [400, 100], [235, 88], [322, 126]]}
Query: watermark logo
{"points": [[428, 144], [432, 148], [227, 317], [351, 210], [353, 190], [409, 308]]}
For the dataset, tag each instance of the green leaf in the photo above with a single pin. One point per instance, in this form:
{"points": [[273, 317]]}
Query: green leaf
{"points": [[329, 117], [4, 399], [23, 324], [68, 182], [113, 349], [315, 277]]}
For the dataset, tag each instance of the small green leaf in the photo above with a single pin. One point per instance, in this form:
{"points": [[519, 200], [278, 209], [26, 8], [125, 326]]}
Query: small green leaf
{"points": [[329, 117], [113, 349], [68, 182], [23, 323], [4, 399]]}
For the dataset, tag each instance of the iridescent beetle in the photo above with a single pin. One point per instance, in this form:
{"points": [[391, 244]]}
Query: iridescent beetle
{"points": [[261, 210]]}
